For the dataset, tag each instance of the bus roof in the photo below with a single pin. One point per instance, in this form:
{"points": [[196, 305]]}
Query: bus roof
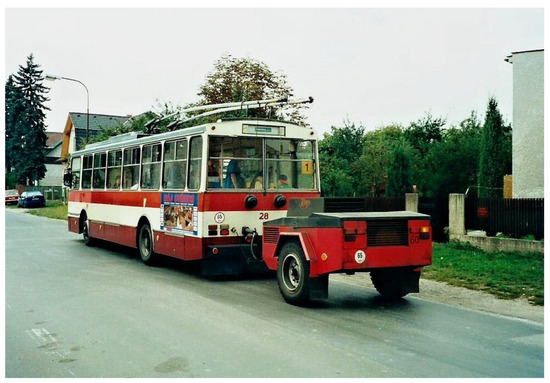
{"points": [[233, 127]]}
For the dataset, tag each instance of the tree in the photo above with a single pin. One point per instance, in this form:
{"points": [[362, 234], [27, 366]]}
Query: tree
{"points": [[423, 135], [339, 154], [375, 159], [399, 174], [13, 109], [495, 159], [245, 79], [452, 164], [25, 128]]}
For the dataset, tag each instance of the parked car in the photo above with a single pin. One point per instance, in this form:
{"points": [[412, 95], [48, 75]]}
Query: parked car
{"points": [[11, 197], [31, 199]]}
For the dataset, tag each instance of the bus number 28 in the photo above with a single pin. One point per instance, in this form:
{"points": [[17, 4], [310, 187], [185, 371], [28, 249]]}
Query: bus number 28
{"points": [[264, 216]]}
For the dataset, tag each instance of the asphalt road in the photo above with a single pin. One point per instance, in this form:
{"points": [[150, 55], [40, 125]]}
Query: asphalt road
{"points": [[77, 311]]}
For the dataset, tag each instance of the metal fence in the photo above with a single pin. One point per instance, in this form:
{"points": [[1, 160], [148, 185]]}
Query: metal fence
{"points": [[515, 218], [51, 193], [364, 204]]}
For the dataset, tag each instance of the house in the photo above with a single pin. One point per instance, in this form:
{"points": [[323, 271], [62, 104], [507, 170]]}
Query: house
{"points": [[79, 125], [528, 124], [54, 167]]}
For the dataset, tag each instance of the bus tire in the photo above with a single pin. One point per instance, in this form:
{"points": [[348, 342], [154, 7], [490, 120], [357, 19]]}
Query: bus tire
{"points": [[88, 240], [145, 245], [293, 273]]}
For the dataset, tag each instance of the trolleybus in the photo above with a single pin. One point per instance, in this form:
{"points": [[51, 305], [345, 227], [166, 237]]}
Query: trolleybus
{"points": [[199, 193]]}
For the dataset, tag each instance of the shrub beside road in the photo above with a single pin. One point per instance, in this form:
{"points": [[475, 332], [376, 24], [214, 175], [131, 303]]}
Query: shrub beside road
{"points": [[503, 274]]}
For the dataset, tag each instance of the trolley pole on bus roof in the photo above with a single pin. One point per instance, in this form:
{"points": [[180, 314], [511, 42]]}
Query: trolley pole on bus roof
{"points": [[227, 107], [51, 77]]}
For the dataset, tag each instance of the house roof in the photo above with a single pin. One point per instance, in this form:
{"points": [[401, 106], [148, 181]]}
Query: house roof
{"points": [[54, 139], [97, 121], [79, 122]]}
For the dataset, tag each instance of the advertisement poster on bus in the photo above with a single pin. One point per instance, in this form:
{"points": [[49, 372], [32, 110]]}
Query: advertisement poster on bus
{"points": [[179, 213]]}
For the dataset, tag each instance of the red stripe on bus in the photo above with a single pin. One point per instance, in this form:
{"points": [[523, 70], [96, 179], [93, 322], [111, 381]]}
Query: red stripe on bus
{"points": [[215, 201]]}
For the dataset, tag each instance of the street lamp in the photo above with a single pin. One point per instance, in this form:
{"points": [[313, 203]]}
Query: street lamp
{"points": [[51, 77]]}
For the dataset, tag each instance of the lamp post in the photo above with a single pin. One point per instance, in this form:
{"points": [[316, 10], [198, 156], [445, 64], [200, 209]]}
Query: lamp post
{"points": [[51, 77]]}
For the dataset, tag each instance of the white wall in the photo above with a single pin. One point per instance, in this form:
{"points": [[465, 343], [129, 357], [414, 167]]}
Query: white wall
{"points": [[528, 125]]}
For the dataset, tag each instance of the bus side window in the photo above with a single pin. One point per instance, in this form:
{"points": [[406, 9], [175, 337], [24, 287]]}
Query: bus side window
{"points": [[175, 161], [75, 169], [151, 166], [99, 171], [131, 169], [114, 164], [195, 163], [87, 172]]}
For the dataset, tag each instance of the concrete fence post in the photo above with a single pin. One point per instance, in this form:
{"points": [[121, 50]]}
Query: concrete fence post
{"points": [[411, 202], [457, 211]]}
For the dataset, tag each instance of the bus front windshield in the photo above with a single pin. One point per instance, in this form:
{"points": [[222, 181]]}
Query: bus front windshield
{"points": [[261, 164]]}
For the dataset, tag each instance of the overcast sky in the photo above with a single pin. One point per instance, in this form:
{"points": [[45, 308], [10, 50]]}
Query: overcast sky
{"points": [[370, 66]]}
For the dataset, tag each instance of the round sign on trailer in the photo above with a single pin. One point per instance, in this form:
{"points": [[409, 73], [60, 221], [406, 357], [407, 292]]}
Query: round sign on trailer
{"points": [[360, 256]]}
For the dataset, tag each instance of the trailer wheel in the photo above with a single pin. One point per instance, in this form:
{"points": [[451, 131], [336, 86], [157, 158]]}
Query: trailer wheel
{"points": [[293, 273], [88, 241], [145, 245], [395, 283]]}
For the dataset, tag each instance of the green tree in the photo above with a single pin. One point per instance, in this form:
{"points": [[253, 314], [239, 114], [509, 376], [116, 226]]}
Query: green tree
{"points": [[339, 153], [495, 159], [25, 128], [13, 109], [423, 135], [452, 164], [399, 174], [375, 158], [244, 79]]}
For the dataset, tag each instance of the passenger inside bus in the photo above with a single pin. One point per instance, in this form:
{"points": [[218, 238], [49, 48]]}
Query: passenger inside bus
{"points": [[283, 182], [233, 177]]}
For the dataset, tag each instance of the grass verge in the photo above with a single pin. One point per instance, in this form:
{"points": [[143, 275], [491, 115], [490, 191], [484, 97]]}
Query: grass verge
{"points": [[53, 209], [507, 275], [503, 274]]}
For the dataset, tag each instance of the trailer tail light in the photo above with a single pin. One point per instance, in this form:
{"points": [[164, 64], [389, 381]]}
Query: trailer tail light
{"points": [[425, 232], [352, 229]]}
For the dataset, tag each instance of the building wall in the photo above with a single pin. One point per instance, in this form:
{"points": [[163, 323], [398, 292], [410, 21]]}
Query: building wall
{"points": [[528, 125], [53, 177]]}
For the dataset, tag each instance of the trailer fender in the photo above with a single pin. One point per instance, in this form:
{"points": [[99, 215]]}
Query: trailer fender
{"points": [[305, 241]]}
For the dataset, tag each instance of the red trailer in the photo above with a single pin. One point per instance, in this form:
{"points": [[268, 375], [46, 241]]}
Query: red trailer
{"points": [[309, 244]]}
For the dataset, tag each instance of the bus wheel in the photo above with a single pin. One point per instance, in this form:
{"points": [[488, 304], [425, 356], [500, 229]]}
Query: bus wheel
{"points": [[293, 273], [89, 241], [145, 245]]}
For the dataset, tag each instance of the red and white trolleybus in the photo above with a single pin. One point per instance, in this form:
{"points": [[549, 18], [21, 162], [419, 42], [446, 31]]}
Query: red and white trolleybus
{"points": [[238, 193], [199, 193]]}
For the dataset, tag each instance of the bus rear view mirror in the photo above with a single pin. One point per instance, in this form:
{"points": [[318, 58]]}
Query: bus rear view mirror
{"points": [[68, 179]]}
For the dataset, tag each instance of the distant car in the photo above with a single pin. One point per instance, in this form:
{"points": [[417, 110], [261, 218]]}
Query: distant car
{"points": [[11, 197], [31, 199]]}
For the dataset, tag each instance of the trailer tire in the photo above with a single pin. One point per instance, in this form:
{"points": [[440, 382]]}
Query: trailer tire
{"points": [[145, 245], [293, 273], [394, 283]]}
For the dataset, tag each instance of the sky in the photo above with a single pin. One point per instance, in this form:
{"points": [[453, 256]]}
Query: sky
{"points": [[369, 66]]}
